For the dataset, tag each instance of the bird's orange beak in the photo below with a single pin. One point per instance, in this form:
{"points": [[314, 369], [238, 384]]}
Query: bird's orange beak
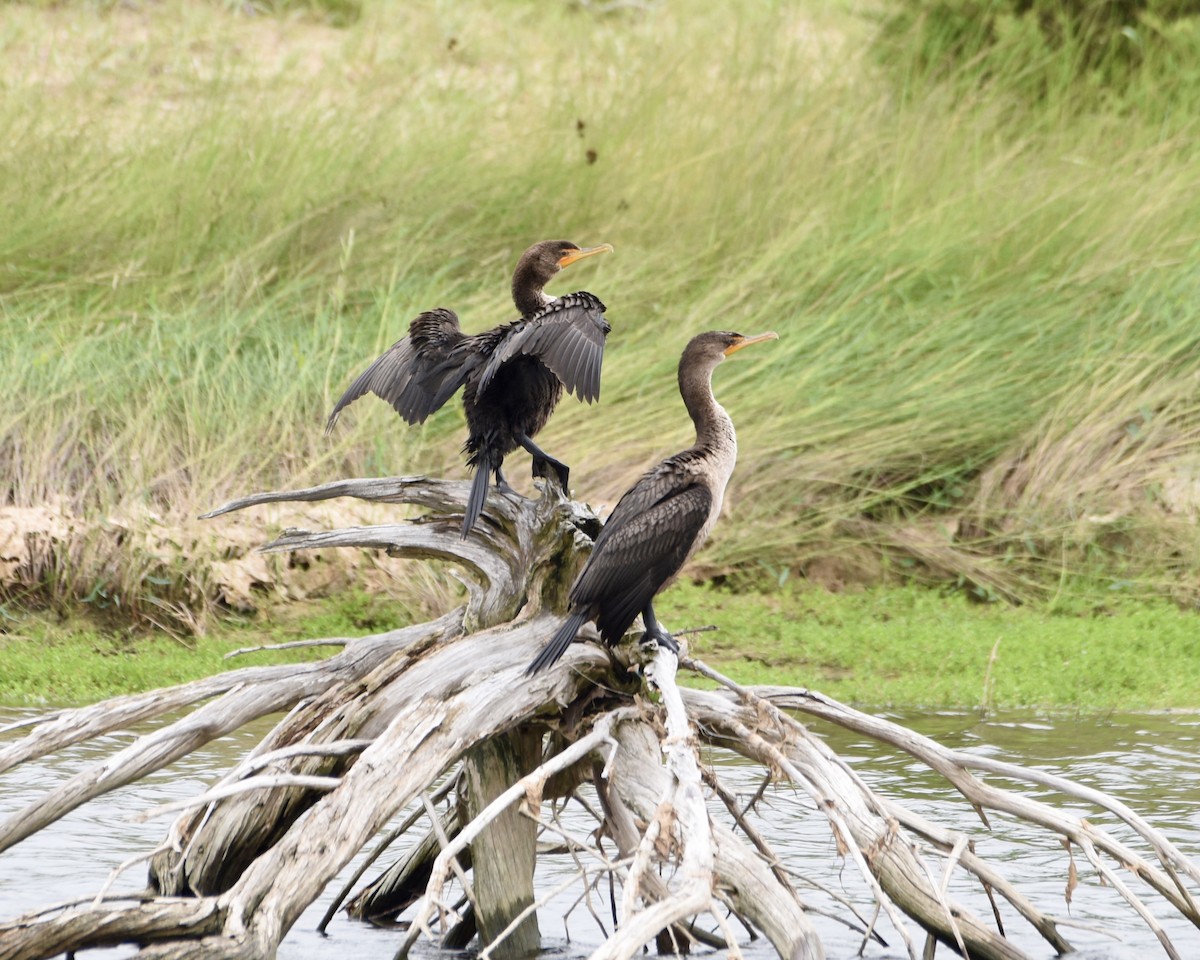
{"points": [[746, 341], [569, 258]]}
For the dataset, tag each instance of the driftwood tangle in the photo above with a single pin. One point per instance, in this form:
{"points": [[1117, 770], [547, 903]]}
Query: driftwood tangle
{"points": [[440, 715]]}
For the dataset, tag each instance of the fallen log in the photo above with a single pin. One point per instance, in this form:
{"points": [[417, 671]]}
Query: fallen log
{"points": [[442, 712]]}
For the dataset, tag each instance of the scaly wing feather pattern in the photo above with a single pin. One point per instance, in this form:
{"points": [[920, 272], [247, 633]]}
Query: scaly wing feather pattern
{"points": [[419, 373], [644, 543], [659, 482], [567, 336]]}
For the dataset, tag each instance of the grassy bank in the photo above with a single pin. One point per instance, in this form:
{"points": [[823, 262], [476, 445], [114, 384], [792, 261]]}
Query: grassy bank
{"points": [[988, 355], [909, 647], [81, 659], [917, 647]]}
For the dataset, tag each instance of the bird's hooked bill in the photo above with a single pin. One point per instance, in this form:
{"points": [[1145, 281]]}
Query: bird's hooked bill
{"points": [[746, 341], [568, 258]]}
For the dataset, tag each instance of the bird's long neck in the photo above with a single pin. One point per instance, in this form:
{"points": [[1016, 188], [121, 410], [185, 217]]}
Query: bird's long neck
{"points": [[527, 291], [714, 428]]}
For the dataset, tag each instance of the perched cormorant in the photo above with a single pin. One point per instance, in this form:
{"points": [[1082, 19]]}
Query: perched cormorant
{"points": [[513, 374], [662, 519]]}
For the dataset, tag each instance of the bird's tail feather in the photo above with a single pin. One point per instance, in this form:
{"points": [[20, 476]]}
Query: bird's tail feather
{"points": [[563, 637], [479, 491]]}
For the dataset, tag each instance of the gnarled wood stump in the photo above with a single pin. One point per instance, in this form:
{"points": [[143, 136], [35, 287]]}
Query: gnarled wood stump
{"points": [[443, 710]]}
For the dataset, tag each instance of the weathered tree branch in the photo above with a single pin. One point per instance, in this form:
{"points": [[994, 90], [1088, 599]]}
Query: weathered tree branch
{"points": [[955, 766], [379, 724], [683, 806]]}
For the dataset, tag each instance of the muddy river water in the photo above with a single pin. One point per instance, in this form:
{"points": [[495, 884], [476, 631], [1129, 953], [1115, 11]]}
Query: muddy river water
{"points": [[1150, 761]]}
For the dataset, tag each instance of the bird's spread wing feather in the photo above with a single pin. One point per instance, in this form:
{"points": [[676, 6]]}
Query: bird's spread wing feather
{"points": [[417, 374], [643, 544], [567, 336]]}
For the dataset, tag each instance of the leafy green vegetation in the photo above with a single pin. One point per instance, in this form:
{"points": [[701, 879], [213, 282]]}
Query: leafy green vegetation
{"points": [[988, 355]]}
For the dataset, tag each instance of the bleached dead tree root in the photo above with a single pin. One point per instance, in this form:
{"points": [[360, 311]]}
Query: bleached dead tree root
{"points": [[439, 719]]}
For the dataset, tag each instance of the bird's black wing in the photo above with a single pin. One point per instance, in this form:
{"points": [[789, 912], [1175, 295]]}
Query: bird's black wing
{"points": [[567, 336], [661, 481], [417, 374], [642, 546]]}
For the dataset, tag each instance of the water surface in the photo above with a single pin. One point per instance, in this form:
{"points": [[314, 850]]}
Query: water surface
{"points": [[1149, 761]]}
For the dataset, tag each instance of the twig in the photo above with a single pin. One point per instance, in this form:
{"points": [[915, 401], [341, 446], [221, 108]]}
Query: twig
{"points": [[1143, 911], [504, 934], [121, 868], [435, 823], [685, 801], [870, 931], [530, 784], [955, 766], [843, 833], [758, 794], [639, 864], [595, 814], [275, 782], [334, 748], [140, 896], [752, 834], [585, 897], [940, 891], [707, 628], [575, 846], [290, 645], [31, 721], [391, 837], [735, 952]]}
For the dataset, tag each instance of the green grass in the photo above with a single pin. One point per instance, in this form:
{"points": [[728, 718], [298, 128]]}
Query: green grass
{"points": [[82, 660], [915, 647], [988, 356], [884, 647]]}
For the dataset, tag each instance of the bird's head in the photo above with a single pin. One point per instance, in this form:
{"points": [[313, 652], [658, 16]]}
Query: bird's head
{"points": [[714, 346], [539, 264], [543, 260]]}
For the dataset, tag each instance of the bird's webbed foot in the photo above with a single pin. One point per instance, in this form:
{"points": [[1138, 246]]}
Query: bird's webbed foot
{"points": [[656, 633], [503, 486], [553, 470], [546, 466], [660, 639]]}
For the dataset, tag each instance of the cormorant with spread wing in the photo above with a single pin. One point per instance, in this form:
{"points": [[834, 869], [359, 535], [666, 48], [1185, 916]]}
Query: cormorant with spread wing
{"points": [[662, 519], [513, 374]]}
